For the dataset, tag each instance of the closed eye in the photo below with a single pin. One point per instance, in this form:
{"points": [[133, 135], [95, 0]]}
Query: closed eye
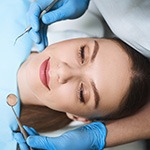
{"points": [[82, 54], [81, 93]]}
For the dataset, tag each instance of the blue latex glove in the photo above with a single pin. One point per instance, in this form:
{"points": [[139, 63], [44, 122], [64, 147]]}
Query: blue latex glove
{"points": [[20, 139], [63, 9], [88, 137]]}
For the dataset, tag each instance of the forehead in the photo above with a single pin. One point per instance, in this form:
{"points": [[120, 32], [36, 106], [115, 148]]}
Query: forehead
{"points": [[73, 42], [112, 72]]}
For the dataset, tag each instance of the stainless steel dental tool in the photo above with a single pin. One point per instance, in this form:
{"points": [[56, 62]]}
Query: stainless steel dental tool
{"points": [[12, 101], [42, 13]]}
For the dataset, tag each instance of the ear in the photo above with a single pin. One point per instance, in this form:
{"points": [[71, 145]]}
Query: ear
{"points": [[78, 118]]}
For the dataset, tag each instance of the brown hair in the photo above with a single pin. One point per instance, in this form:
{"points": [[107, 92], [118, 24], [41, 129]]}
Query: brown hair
{"points": [[138, 93], [42, 118]]}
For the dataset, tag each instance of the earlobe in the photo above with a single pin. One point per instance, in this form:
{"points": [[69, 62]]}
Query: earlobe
{"points": [[77, 118]]}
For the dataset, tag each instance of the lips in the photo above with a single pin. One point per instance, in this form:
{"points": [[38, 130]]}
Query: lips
{"points": [[44, 76]]}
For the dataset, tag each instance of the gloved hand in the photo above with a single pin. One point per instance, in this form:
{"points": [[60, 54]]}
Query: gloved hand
{"points": [[20, 139], [88, 137], [63, 9]]}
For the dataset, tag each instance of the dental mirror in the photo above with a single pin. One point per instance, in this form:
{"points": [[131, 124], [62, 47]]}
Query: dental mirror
{"points": [[12, 101]]}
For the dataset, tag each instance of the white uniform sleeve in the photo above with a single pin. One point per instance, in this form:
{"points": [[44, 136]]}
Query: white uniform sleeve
{"points": [[129, 20]]}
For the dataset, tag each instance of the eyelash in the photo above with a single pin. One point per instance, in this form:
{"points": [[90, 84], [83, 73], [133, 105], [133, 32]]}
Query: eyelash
{"points": [[82, 54], [80, 94], [81, 89]]}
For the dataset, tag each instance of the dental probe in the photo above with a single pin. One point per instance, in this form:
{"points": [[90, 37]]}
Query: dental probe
{"points": [[42, 13], [12, 101]]}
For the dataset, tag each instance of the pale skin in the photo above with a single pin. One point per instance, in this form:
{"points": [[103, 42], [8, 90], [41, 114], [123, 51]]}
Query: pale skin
{"points": [[124, 130], [102, 71]]}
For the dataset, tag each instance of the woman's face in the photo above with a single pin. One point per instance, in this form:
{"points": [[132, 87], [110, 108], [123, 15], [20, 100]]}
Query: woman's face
{"points": [[86, 77]]}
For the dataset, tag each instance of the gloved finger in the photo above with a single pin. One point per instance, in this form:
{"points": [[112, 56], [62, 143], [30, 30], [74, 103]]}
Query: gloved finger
{"points": [[46, 41], [33, 16], [66, 10], [43, 34], [20, 139], [23, 146], [40, 142], [30, 131], [35, 36], [56, 15], [43, 4], [40, 46], [34, 12]]}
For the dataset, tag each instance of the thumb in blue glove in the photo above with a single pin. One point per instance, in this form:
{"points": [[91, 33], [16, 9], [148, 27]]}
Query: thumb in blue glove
{"points": [[63, 9], [88, 137]]}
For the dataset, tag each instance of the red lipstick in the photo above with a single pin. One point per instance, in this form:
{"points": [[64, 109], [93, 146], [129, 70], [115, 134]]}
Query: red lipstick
{"points": [[44, 75]]}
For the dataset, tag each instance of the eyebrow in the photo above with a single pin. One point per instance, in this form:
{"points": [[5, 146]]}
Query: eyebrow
{"points": [[95, 91], [95, 50], [96, 94]]}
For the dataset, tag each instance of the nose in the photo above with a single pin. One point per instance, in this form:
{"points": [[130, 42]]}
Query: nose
{"points": [[66, 72]]}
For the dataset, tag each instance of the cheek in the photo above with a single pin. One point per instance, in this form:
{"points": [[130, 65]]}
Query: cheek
{"points": [[61, 98], [63, 52], [32, 74]]}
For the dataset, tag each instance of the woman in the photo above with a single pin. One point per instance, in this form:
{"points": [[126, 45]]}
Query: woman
{"points": [[130, 29], [81, 50], [104, 77]]}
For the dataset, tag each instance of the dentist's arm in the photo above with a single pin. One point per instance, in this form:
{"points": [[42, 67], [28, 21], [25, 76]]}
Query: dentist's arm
{"points": [[136, 127], [62, 10]]}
